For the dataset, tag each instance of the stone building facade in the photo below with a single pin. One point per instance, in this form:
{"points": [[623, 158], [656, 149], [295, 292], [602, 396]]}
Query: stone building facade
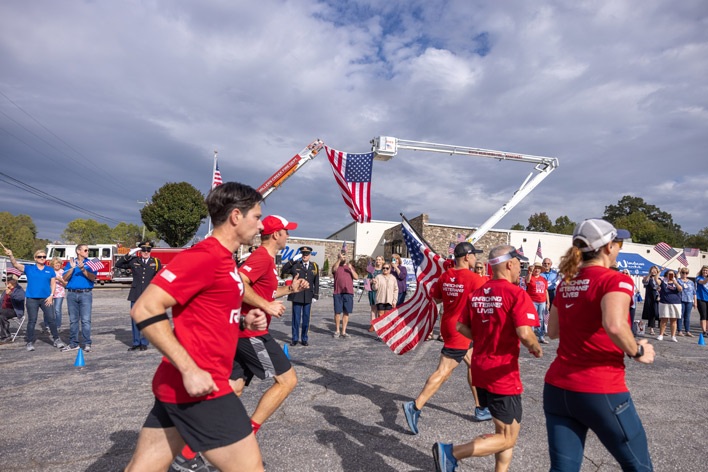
{"points": [[440, 237]]}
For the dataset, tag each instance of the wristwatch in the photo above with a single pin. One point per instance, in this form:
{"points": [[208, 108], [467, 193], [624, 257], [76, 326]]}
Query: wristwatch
{"points": [[640, 352]]}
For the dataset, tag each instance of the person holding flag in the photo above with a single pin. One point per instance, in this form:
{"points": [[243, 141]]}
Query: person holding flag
{"points": [[79, 278], [454, 288]]}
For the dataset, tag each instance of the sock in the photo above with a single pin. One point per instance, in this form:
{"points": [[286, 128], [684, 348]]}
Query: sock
{"points": [[255, 426], [187, 453]]}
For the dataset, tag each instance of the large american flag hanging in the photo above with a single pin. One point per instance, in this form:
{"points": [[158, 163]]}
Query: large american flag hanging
{"points": [[403, 327], [353, 175], [665, 250]]}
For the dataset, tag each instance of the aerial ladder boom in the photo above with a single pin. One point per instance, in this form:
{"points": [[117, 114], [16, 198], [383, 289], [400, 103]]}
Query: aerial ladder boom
{"points": [[386, 147], [293, 165]]}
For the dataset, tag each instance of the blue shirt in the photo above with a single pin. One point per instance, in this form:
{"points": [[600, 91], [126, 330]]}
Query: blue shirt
{"points": [[689, 290], [552, 277], [39, 282], [78, 280], [701, 290]]}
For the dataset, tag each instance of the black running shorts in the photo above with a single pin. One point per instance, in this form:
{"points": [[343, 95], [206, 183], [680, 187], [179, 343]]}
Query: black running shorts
{"points": [[505, 408], [261, 356]]}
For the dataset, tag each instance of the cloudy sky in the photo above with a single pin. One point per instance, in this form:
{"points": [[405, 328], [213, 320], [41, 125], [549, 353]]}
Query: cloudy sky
{"points": [[103, 102]]}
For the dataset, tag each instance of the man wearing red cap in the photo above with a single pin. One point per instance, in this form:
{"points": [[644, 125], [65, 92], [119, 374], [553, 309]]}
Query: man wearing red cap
{"points": [[257, 352]]}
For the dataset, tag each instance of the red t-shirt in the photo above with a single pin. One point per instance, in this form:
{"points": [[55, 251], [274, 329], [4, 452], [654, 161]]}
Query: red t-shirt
{"points": [[493, 314], [260, 270], [587, 360], [454, 287], [209, 292], [537, 288]]}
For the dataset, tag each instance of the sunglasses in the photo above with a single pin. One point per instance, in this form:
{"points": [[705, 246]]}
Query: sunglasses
{"points": [[386, 268], [619, 242], [40, 257], [478, 268]]}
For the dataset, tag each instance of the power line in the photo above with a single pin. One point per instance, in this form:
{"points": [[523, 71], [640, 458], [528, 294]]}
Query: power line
{"points": [[35, 191]]}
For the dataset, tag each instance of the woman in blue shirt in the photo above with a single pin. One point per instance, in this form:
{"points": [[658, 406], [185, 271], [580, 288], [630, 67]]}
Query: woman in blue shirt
{"points": [[39, 294], [702, 298], [688, 302]]}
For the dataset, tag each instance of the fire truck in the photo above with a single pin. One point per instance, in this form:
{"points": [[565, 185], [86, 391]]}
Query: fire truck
{"points": [[109, 253]]}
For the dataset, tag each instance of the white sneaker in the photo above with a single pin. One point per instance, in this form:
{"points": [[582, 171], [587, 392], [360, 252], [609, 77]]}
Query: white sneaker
{"points": [[660, 337], [30, 347], [673, 338]]}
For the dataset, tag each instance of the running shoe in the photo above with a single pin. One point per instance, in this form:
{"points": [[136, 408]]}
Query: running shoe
{"points": [[59, 344], [412, 416], [198, 464], [481, 414], [87, 348], [673, 338], [444, 460], [30, 347], [70, 348], [660, 337]]}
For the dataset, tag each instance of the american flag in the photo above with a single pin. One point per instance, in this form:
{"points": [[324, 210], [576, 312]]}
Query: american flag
{"points": [[460, 237], [692, 251], [538, 250], [94, 264], [403, 327], [216, 181], [451, 248], [10, 269], [344, 247], [520, 250], [682, 259], [353, 174], [665, 250]]}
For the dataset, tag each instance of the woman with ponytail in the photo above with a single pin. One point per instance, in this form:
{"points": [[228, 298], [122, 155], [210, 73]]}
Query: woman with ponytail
{"points": [[585, 386]]}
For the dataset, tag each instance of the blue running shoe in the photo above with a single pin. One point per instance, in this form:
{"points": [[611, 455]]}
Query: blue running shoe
{"points": [[412, 416], [444, 460], [482, 414]]}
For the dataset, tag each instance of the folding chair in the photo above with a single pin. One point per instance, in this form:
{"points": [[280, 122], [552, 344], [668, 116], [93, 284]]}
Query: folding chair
{"points": [[20, 322]]}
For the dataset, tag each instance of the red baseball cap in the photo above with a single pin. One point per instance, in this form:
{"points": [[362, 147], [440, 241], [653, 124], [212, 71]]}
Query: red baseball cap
{"points": [[273, 223]]}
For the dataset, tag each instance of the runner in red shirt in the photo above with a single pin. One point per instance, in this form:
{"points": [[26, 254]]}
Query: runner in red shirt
{"points": [[454, 288], [258, 353], [497, 316], [585, 386], [537, 288], [193, 400]]}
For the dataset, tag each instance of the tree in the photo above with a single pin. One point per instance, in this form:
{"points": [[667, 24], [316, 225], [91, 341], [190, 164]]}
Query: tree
{"points": [[699, 240], [655, 225], [89, 231], [325, 267], [540, 222], [564, 225], [18, 233], [175, 213], [517, 227], [128, 234]]}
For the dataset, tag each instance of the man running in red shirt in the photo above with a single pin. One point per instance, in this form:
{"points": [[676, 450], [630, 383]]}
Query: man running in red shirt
{"points": [[454, 288], [537, 288], [258, 353], [194, 402], [498, 316]]}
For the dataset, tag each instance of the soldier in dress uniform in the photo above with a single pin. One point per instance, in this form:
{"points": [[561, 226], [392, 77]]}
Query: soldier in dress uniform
{"points": [[144, 269], [302, 301]]}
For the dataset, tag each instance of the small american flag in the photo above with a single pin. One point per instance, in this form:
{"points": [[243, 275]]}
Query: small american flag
{"points": [[460, 237], [403, 327], [665, 250], [682, 259], [520, 250], [216, 181], [344, 247], [94, 264], [451, 248], [538, 250], [353, 175], [692, 251], [10, 269]]}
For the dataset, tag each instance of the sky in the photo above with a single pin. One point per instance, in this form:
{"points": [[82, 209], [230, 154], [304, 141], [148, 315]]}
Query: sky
{"points": [[103, 102]]}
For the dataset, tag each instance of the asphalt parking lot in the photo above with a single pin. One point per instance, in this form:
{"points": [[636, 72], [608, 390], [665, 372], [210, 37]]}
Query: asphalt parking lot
{"points": [[344, 415]]}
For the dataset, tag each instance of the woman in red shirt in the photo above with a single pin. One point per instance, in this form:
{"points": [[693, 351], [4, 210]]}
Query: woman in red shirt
{"points": [[585, 386]]}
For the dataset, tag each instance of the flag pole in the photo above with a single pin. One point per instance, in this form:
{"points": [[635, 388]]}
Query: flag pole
{"points": [[213, 171]]}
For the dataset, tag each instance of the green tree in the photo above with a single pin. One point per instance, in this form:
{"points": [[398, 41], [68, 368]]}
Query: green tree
{"points": [[564, 225], [663, 228], [89, 231], [540, 222], [18, 234], [325, 267], [517, 227], [699, 240], [175, 213], [128, 234]]}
